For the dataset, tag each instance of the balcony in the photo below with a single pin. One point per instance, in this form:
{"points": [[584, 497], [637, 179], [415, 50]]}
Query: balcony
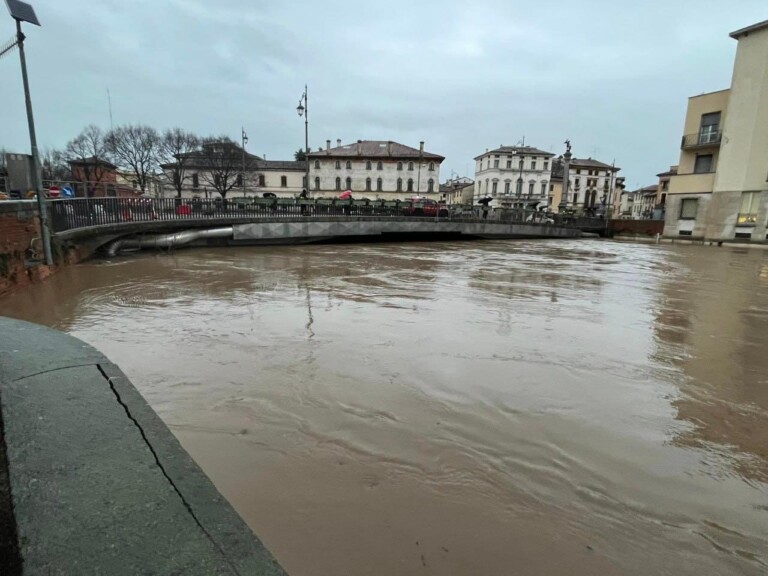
{"points": [[701, 140]]}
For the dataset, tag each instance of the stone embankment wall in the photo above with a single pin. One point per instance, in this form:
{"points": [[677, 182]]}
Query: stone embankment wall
{"points": [[21, 249]]}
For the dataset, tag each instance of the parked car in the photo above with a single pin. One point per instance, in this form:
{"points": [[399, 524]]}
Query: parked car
{"points": [[425, 207]]}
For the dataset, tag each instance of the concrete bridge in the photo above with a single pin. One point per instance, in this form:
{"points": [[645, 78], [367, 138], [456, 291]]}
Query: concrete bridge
{"points": [[116, 224]]}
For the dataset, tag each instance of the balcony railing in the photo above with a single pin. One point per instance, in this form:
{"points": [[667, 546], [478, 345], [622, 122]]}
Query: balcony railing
{"points": [[701, 139]]}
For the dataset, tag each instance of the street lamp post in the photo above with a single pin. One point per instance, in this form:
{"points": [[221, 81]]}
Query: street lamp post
{"points": [[22, 12], [244, 141], [566, 169], [303, 110]]}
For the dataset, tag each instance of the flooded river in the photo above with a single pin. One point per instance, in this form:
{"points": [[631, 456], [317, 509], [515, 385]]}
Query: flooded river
{"points": [[486, 408]]}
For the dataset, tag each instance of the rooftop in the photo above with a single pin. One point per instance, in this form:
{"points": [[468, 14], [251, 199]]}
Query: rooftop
{"points": [[591, 163], [746, 31], [375, 149], [517, 150]]}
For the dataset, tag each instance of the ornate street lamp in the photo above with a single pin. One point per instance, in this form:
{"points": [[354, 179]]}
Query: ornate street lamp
{"points": [[303, 110]]}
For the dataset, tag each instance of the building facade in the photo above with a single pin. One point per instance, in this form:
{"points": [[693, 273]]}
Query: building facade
{"points": [[513, 176], [591, 186], [230, 168], [375, 169], [720, 192], [457, 191]]}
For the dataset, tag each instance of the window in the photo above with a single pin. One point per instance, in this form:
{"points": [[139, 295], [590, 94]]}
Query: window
{"points": [[748, 210], [262, 180], [379, 166], [338, 164], [578, 171], [410, 166], [531, 188], [521, 165], [688, 208], [546, 164], [368, 165], [495, 163], [533, 164], [430, 185], [710, 128], [399, 184], [349, 165], [506, 187], [379, 184], [195, 180], [317, 183], [703, 164], [338, 183], [399, 165], [509, 163], [543, 188], [431, 166], [551, 187], [349, 183], [317, 164], [576, 198], [494, 189], [410, 184], [283, 181], [368, 184], [519, 186], [577, 183]]}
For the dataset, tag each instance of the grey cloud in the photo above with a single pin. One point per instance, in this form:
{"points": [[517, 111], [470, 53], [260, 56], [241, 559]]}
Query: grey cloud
{"points": [[612, 76]]}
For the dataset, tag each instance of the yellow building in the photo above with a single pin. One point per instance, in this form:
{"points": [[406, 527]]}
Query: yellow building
{"points": [[720, 192]]}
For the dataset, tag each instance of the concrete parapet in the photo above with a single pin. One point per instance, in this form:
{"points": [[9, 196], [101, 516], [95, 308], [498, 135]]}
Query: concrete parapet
{"points": [[98, 484]]}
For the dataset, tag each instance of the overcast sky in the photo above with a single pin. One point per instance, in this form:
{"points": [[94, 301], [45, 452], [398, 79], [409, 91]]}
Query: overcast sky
{"points": [[613, 76]]}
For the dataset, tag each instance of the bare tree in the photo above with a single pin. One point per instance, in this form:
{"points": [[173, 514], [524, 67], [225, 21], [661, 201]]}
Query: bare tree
{"points": [[177, 148], [89, 157], [53, 165], [222, 163], [135, 148]]}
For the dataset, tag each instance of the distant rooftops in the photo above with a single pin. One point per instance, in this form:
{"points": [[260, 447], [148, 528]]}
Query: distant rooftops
{"points": [[516, 150], [746, 31], [375, 149]]}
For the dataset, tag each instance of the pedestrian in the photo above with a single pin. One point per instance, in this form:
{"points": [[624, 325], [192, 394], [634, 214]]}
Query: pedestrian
{"points": [[302, 201]]}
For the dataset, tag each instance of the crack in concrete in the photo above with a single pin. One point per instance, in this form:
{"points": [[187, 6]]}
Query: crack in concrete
{"points": [[163, 470]]}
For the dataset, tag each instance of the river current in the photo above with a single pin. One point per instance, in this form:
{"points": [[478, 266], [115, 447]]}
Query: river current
{"points": [[455, 408]]}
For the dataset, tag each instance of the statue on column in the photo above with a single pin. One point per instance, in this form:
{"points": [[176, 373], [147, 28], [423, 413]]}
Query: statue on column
{"points": [[568, 146]]}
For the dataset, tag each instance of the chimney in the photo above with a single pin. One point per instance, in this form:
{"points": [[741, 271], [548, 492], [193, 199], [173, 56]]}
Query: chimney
{"points": [[421, 147], [359, 148], [389, 147], [327, 146], [338, 142]]}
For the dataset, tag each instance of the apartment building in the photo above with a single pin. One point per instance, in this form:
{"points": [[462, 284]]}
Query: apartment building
{"points": [[720, 190]]}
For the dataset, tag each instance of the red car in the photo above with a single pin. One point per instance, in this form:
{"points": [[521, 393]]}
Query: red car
{"points": [[425, 207]]}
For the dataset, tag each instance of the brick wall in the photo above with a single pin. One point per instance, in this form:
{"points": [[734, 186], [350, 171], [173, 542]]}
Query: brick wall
{"points": [[20, 242], [639, 227]]}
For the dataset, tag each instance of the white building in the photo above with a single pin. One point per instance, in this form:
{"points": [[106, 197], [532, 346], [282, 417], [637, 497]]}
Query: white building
{"points": [[513, 176], [375, 169], [591, 184]]}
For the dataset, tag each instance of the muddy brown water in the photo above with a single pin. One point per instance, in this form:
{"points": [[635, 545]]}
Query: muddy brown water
{"points": [[486, 408]]}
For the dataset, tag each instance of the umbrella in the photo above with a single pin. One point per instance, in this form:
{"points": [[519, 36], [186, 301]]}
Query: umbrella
{"points": [[485, 201], [269, 195], [346, 195]]}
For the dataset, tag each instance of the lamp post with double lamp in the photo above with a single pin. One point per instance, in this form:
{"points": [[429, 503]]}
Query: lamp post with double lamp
{"points": [[303, 110], [22, 12]]}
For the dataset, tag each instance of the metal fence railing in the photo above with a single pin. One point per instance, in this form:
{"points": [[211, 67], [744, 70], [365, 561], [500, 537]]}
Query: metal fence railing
{"points": [[78, 213]]}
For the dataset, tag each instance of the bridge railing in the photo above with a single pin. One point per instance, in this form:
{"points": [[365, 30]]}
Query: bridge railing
{"points": [[76, 213]]}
